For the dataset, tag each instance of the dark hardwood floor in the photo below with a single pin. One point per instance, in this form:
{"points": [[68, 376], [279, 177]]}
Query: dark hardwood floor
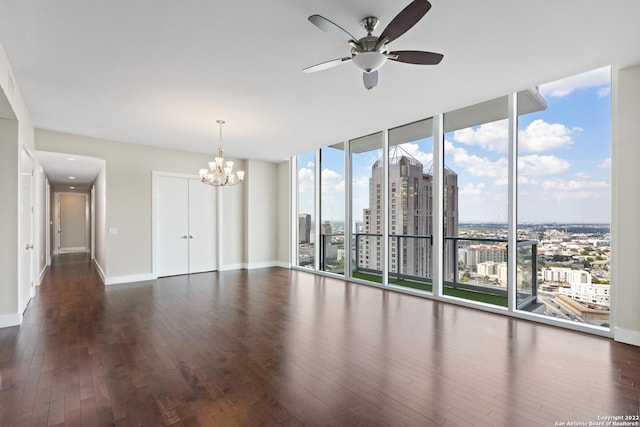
{"points": [[280, 347]]}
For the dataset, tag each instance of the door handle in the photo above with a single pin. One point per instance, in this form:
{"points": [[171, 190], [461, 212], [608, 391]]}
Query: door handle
{"points": [[185, 237], [192, 237], [28, 246]]}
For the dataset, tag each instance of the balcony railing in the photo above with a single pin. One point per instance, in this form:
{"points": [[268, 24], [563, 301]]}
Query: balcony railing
{"points": [[411, 264]]}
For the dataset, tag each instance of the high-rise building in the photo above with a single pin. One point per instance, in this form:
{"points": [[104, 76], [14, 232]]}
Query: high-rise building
{"points": [[326, 227], [304, 228], [410, 216]]}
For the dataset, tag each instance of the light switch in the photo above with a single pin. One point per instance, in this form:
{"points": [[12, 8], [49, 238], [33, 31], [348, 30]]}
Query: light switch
{"points": [[113, 230]]}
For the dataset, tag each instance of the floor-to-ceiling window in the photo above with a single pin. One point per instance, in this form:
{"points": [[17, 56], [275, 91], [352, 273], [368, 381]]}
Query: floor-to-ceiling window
{"points": [[564, 191], [332, 209], [410, 205], [306, 210], [523, 191], [475, 202], [367, 203]]}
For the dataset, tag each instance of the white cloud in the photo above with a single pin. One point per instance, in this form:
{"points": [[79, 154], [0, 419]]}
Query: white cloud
{"points": [[599, 78], [573, 185], [542, 136], [492, 136], [305, 180], [525, 180], [604, 91], [310, 164], [361, 183], [332, 181], [476, 165], [535, 165], [581, 175], [606, 163], [414, 150], [472, 189], [537, 136]]}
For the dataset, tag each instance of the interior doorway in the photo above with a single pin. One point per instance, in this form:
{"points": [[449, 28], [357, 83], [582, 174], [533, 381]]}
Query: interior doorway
{"points": [[72, 231]]}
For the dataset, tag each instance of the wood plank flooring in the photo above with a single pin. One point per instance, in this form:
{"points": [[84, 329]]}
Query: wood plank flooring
{"points": [[280, 347]]}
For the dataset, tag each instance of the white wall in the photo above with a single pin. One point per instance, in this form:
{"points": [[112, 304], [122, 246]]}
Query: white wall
{"points": [[284, 215], [231, 224], [127, 255], [626, 206], [9, 162], [40, 237], [261, 203], [100, 256], [16, 133]]}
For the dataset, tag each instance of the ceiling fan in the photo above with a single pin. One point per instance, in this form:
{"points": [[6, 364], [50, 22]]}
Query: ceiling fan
{"points": [[370, 52]]}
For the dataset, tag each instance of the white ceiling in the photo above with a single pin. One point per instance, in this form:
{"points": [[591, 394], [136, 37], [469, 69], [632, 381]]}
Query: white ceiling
{"points": [[70, 170], [160, 72]]}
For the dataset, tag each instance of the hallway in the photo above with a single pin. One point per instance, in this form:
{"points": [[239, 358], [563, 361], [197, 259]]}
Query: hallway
{"points": [[280, 347]]}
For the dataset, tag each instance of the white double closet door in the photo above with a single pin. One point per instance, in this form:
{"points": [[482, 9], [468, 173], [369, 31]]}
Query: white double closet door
{"points": [[185, 226]]}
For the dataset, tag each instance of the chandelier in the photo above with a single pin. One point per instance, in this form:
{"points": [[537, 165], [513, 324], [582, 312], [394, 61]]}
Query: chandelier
{"points": [[220, 172]]}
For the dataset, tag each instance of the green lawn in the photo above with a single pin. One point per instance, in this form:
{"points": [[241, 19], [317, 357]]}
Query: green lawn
{"points": [[448, 289]]}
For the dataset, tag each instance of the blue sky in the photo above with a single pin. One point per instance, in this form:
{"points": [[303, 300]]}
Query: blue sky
{"points": [[564, 161]]}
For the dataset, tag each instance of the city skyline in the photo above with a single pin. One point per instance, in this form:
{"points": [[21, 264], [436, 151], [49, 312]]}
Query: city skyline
{"points": [[563, 164]]}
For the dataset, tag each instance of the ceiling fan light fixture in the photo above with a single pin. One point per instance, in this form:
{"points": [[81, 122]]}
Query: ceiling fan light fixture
{"points": [[369, 61]]}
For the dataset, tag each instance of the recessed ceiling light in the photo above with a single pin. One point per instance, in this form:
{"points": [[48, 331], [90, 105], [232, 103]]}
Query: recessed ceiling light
{"points": [[70, 158], [72, 188], [72, 177]]}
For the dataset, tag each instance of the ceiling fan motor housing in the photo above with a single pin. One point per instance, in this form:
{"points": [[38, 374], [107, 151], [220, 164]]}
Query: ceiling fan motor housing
{"points": [[368, 56]]}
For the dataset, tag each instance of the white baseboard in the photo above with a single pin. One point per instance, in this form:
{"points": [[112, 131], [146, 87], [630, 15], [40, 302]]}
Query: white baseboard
{"points": [[42, 274], [73, 250], [627, 336], [257, 265], [232, 267], [7, 320], [254, 266], [100, 270], [114, 280], [282, 264]]}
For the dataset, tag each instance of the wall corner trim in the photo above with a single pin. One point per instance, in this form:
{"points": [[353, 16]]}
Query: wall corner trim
{"points": [[43, 273], [627, 336], [103, 276]]}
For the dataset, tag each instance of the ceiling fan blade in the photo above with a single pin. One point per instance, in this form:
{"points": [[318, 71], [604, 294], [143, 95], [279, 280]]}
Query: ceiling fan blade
{"points": [[416, 57], [370, 79], [325, 25], [327, 64], [406, 19]]}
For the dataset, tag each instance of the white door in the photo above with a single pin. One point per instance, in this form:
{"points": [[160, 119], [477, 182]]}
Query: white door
{"points": [[172, 216], [185, 226], [202, 221], [27, 284], [72, 223]]}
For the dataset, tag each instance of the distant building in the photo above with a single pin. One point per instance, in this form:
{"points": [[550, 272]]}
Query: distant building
{"points": [[588, 293], [326, 227], [477, 254], [304, 228], [410, 214], [581, 289], [565, 275], [497, 270]]}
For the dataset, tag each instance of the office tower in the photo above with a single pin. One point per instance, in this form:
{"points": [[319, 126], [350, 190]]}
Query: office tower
{"points": [[410, 216]]}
